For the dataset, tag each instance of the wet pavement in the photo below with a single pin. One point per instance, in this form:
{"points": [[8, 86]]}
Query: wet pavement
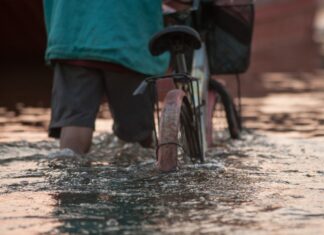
{"points": [[269, 182]]}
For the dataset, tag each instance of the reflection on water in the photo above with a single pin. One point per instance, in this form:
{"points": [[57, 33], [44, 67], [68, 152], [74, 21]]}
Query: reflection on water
{"points": [[257, 185], [26, 212]]}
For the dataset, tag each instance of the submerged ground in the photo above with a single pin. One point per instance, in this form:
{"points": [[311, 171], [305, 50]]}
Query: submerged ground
{"points": [[269, 182]]}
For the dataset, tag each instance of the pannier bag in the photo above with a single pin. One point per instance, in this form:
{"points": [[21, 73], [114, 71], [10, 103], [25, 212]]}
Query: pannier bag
{"points": [[227, 26]]}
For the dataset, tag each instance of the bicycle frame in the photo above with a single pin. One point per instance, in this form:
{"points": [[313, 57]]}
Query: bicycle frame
{"points": [[200, 71], [196, 94], [195, 86], [189, 103]]}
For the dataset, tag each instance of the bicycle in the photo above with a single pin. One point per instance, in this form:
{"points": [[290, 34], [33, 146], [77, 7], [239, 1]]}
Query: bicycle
{"points": [[184, 125]]}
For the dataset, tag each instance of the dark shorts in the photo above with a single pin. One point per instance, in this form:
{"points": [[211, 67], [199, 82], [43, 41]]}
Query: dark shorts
{"points": [[77, 94]]}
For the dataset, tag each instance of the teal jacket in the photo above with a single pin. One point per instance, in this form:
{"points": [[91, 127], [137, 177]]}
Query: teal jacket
{"points": [[116, 31]]}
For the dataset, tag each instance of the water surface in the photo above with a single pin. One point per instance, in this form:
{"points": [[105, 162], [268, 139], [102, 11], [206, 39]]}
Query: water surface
{"points": [[258, 185]]}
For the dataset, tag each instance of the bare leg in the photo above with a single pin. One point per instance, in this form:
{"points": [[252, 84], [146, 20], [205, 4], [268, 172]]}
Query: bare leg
{"points": [[76, 138]]}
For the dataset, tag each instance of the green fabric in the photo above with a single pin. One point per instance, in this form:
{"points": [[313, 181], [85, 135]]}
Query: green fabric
{"points": [[115, 31]]}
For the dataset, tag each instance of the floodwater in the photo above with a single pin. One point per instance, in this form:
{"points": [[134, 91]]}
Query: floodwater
{"points": [[269, 182]]}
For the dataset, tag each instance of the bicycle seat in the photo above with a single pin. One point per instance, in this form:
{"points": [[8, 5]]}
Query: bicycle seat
{"points": [[176, 39]]}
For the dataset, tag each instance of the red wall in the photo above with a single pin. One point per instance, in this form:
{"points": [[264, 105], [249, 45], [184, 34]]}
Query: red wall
{"points": [[23, 76], [22, 31], [283, 37]]}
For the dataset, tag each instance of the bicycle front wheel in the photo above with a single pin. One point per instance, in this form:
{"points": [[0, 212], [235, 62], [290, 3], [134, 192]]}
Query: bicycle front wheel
{"points": [[219, 100], [178, 133]]}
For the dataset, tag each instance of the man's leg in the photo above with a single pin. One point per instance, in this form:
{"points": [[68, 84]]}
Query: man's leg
{"points": [[76, 138], [133, 115], [76, 96]]}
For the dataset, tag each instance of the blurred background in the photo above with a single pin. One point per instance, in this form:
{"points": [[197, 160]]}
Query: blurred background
{"points": [[282, 90]]}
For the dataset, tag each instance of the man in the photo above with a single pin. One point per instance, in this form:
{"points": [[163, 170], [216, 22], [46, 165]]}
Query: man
{"points": [[99, 47]]}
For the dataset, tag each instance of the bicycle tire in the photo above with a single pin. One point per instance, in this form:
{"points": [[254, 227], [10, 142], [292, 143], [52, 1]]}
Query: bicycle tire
{"points": [[177, 117], [232, 117]]}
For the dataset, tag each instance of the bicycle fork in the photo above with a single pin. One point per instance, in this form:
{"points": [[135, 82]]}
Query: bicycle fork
{"points": [[200, 70]]}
